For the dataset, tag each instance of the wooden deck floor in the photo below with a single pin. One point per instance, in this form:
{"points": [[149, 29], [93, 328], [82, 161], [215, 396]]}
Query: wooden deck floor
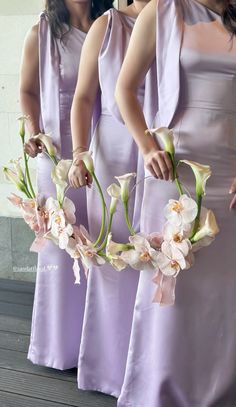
{"points": [[23, 384]]}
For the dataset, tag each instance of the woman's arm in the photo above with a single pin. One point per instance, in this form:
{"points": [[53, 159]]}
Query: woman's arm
{"points": [[140, 55], [84, 99], [29, 88]]}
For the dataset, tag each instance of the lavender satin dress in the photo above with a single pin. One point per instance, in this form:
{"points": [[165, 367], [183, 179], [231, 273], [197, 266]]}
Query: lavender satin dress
{"points": [[185, 355], [111, 294], [58, 303]]}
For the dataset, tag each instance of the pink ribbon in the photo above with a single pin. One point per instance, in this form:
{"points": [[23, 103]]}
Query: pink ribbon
{"points": [[165, 293]]}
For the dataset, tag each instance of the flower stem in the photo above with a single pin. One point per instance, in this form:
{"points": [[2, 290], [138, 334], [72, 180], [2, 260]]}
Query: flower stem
{"points": [[103, 210], [197, 220], [28, 176], [176, 177], [126, 211], [103, 245]]}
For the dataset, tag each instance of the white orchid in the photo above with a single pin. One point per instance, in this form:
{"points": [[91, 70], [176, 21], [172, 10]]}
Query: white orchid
{"points": [[181, 212], [177, 238], [167, 138], [46, 140], [115, 193], [143, 256], [113, 251], [170, 260], [202, 174], [207, 230], [124, 181]]}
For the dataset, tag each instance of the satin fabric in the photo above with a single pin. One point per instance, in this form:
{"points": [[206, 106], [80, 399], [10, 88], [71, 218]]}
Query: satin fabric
{"points": [[185, 355], [58, 303], [111, 294]]}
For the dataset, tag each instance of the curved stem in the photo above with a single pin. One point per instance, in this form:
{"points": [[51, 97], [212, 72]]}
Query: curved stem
{"points": [[103, 210], [126, 211], [28, 176], [103, 245], [176, 177]]}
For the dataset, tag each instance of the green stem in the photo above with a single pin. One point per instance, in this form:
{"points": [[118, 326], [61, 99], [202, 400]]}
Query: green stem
{"points": [[126, 211], [103, 210], [176, 177], [197, 220], [28, 176], [104, 243]]}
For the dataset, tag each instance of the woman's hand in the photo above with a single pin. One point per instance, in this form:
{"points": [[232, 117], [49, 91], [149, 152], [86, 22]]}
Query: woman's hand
{"points": [[78, 175], [233, 192], [159, 164], [33, 147]]}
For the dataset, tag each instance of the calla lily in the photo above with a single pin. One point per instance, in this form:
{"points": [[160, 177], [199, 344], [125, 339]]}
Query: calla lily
{"points": [[208, 228], [46, 140], [124, 181], [202, 174], [22, 121], [113, 251], [167, 138], [86, 157], [115, 193], [18, 169], [59, 177], [181, 212], [14, 178], [170, 260], [143, 256]]}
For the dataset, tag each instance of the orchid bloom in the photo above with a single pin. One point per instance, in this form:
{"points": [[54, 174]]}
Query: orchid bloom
{"points": [[46, 140], [202, 173], [68, 208], [115, 192], [143, 256], [177, 238], [207, 231], [167, 138], [181, 212], [124, 181], [170, 260], [113, 251]]}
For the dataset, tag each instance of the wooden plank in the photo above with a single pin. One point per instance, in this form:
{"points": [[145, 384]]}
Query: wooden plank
{"points": [[13, 360], [13, 324], [16, 400], [15, 310], [15, 297], [51, 390], [14, 341], [16, 285]]}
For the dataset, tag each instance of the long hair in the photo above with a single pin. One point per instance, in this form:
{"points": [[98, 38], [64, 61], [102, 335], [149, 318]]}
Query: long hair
{"points": [[58, 14], [229, 16]]}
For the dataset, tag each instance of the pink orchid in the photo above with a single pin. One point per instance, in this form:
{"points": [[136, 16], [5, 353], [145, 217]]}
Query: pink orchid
{"points": [[170, 260], [177, 238]]}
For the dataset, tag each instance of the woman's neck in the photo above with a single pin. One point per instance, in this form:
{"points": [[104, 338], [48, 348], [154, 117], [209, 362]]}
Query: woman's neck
{"points": [[80, 15]]}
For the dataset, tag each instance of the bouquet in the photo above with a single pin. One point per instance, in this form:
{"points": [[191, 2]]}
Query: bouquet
{"points": [[188, 227]]}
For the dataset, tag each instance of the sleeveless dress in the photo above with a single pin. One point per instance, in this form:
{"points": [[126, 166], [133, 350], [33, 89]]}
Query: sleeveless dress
{"points": [[110, 294], [58, 303], [185, 355]]}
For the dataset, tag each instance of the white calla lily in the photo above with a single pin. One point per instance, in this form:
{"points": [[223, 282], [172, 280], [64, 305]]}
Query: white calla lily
{"points": [[202, 174], [86, 157], [13, 177], [59, 177], [208, 228], [113, 251], [124, 181], [114, 191], [167, 138], [22, 121], [46, 140]]}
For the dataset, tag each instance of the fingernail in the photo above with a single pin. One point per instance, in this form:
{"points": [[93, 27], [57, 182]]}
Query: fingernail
{"points": [[231, 191]]}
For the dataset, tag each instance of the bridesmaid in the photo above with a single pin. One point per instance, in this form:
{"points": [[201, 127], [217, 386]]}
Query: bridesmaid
{"points": [[111, 295], [185, 355], [48, 78]]}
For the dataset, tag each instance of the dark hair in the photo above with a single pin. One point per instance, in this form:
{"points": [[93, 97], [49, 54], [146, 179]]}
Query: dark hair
{"points": [[229, 16], [58, 14]]}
